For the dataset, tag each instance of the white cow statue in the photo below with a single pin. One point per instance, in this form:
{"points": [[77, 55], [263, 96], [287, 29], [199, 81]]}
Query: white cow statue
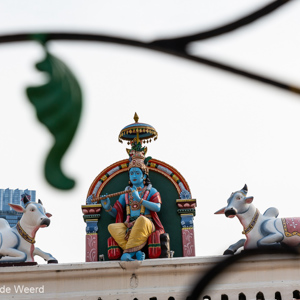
{"points": [[17, 243], [261, 230]]}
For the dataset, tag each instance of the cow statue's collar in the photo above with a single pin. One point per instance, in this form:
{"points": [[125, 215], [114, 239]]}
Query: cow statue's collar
{"points": [[25, 235], [252, 223]]}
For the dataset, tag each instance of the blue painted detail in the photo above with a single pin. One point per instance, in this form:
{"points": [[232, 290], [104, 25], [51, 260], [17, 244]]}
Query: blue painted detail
{"points": [[136, 176], [187, 221], [91, 226], [89, 200], [17, 260], [140, 255], [18, 239], [282, 236], [128, 256], [185, 195], [263, 228], [40, 208], [135, 124]]}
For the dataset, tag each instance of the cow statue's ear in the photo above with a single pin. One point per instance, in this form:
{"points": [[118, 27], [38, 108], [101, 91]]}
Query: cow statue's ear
{"points": [[17, 208], [220, 211], [48, 215], [249, 200]]}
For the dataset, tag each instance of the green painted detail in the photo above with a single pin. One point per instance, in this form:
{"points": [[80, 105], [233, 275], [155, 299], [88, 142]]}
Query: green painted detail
{"points": [[187, 211], [137, 146], [87, 217], [58, 105], [147, 159], [154, 245], [113, 247]]}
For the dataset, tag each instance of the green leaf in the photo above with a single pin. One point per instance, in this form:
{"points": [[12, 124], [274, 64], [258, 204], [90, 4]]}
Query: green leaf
{"points": [[58, 105]]}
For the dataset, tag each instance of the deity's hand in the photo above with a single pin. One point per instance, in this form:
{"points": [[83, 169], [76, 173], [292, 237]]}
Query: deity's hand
{"points": [[135, 195], [105, 203]]}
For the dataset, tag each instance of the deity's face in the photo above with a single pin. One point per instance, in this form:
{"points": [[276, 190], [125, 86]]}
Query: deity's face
{"points": [[136, 176]]}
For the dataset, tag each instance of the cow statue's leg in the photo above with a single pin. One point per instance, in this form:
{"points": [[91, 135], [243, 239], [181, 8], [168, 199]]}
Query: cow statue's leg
{"points": [[234, 247], [272, 236], [12, 255], [270, 240], [46, 256]]}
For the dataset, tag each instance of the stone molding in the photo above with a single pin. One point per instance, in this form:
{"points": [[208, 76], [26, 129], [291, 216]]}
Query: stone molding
{"points": [[160, 278]]}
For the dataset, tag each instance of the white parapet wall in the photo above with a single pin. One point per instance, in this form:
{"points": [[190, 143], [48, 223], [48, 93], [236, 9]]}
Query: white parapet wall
{"points": [[159, 279]]}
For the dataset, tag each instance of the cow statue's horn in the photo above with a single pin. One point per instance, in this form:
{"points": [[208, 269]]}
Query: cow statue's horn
{"points": [[25, 199], [40, 202], [245, 188]]}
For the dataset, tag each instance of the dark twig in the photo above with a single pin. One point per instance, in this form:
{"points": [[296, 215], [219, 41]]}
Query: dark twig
{"points": [[182, 42], [175, 46]]}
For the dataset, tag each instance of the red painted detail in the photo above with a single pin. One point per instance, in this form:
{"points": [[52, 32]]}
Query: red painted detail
{"points": [[292, 226], [91, 247], [31, 252], [89, 211], [180, 205], [155, 197], [33, 232], [114, 251], [188, 242], [154, 248]]}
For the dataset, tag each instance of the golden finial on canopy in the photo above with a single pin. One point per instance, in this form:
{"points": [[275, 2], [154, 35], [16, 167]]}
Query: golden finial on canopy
{"points": [[136, 118]]}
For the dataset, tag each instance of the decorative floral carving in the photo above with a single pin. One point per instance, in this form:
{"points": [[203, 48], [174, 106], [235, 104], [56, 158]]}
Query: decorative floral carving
{"points": [[188, 243], [91, 247]]}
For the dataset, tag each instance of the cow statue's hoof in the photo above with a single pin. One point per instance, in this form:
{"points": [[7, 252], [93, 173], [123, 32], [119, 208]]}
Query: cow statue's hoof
{"points": [[228, 252], [52, 261]]}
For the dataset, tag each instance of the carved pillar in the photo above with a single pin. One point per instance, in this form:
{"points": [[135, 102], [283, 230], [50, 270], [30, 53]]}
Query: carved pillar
{"points": [[91, 215], [186, 209]]}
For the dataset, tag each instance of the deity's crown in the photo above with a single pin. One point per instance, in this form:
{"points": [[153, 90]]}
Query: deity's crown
{"points": [[135, 134], [137, 157]]}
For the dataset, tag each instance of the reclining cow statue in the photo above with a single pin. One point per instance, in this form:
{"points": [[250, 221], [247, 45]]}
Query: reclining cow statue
{"points": [[261, 230], [17, 243]]}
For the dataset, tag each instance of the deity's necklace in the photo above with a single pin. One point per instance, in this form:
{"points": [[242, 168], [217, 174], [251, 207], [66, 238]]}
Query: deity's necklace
{"points": [[144, 195]]}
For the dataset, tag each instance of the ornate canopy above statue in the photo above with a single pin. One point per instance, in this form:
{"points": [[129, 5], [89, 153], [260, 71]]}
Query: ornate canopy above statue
{"points": [[139, 131]]}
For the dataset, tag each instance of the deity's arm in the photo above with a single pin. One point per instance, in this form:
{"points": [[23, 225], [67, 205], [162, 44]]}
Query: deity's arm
{"points": [[153, 201], [112, 210]]}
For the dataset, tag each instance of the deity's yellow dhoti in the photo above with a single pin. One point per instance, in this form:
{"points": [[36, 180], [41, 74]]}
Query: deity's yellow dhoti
{"points": [[138, 237]]}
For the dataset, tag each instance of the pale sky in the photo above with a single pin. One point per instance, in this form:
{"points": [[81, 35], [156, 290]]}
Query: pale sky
{"points": [[218, 130]]}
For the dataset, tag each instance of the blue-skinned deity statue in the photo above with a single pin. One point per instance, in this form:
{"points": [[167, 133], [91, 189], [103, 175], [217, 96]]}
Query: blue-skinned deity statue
{"points": [[140, 204]]}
